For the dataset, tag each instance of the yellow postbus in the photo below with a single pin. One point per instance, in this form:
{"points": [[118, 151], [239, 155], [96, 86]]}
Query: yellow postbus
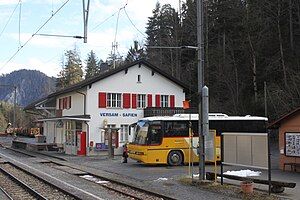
{"points": [[166, 139]]}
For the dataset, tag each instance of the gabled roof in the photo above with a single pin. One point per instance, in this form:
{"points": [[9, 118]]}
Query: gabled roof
{"points": [[36, 103], [92, 80], [285, 117], [114, 71]]}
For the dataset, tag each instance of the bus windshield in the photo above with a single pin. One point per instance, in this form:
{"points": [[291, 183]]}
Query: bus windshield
{"points": [[141, 132], [148, 133]]}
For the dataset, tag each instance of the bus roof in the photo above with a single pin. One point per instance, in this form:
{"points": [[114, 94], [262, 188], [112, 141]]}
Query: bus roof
{"points": [[212, 116]]}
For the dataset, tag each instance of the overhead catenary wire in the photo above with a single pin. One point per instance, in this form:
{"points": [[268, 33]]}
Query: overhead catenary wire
{"points": [[20, 14], [10, 18], [56, 35], [117, 24], [21, 47], [106, 19], [133, 23]]}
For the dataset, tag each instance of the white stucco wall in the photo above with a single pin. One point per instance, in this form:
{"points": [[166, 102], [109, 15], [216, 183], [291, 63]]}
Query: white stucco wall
{"points": [[49, 131], [127, 83], [77, 103]]}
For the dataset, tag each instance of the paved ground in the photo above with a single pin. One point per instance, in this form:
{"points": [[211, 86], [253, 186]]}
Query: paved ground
{"points": [[166, 178]]}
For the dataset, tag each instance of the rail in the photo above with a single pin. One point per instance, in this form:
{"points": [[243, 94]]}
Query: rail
{"points": [[24, 185]]}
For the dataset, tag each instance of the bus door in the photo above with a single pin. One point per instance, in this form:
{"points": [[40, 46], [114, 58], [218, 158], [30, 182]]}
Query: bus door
{"points": [[155, 134]]}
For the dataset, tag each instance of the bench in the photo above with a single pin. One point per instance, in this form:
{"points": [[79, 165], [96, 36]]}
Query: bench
{"points": [[276, 186], [292, 165], [19, 144]]}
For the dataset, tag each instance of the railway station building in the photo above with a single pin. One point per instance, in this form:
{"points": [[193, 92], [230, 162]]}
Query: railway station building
{"points": [[289, 140], [77, 118]]}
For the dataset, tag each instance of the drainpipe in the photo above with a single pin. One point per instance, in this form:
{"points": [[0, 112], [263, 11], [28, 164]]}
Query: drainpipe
{"points": [[87, 138], [84, 102]]}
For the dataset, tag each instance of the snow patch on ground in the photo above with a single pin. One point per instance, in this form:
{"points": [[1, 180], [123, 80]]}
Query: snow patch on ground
{"points": [[161, 179], [196, 175], [243, 173], [94, 179], [86, 176], [102, 182]]}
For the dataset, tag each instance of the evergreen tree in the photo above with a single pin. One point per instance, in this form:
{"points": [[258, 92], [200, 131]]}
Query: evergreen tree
{"points": [[72, 69], [163, 30], [136, 52], [246, 43], [92, 67]]}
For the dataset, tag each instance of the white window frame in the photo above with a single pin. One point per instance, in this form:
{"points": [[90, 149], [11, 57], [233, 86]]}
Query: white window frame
{"points": [[114, 100], [164, 101], [124, 132], [141, 101]]}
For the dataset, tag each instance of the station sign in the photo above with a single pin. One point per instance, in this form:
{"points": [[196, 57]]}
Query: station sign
{"points": [[117, 114]]}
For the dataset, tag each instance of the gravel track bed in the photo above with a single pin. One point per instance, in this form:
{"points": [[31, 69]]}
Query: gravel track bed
{"points": [[127, 190], [18, 154], [13, 189], [46, 190]]}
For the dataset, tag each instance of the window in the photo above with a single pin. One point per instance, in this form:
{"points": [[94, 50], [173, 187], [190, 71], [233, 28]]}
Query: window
{"points": [[155, 133], [124, 133], [176, 129], [64, 103], [139, 78], [164, 101], [70, 132], [113, 100], [141, 101], [111, 126]]}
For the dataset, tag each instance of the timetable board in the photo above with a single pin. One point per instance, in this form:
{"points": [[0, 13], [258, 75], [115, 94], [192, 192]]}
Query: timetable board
{"points": [[292, 144]]}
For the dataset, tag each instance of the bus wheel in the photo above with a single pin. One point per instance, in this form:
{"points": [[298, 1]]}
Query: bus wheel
{"points": [[175, 158]]}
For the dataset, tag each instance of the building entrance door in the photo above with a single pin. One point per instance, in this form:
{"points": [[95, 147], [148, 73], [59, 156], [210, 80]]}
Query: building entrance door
{"points": [[71, 138]]}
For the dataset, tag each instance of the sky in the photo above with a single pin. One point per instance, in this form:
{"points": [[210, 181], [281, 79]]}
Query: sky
{"points": [[21, 48]]}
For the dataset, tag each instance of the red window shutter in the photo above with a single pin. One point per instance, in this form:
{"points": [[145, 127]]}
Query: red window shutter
{"points": [[126, 100], [133, 101], [64, 103], [69, 102], [102, 100], [172, 101], [157, 101], [59, 104], [149, 103]]}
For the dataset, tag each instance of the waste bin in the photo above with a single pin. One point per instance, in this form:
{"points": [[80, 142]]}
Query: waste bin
{"points": [[40, 139]]}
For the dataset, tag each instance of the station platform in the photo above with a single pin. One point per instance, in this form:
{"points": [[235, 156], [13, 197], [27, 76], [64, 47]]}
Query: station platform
{"points": [[32, 145]]}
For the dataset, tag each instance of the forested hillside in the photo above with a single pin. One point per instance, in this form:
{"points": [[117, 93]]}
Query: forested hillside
{"points": [[247, 43], [31, 86]]}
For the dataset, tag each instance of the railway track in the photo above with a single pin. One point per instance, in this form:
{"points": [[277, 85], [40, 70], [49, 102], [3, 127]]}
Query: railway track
{"points": [[125, 190], [19, 184], [122, 188]]}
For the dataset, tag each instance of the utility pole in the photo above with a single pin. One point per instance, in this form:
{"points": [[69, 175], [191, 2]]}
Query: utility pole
{"points": [[15, 105], [265, 98], [200, 61], [85, 19], [15, 101]]}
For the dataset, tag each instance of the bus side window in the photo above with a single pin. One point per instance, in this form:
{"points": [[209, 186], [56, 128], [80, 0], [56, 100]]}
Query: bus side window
{"points": [[195, 128], [168, 129], [155, 135], [180, 129]]}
